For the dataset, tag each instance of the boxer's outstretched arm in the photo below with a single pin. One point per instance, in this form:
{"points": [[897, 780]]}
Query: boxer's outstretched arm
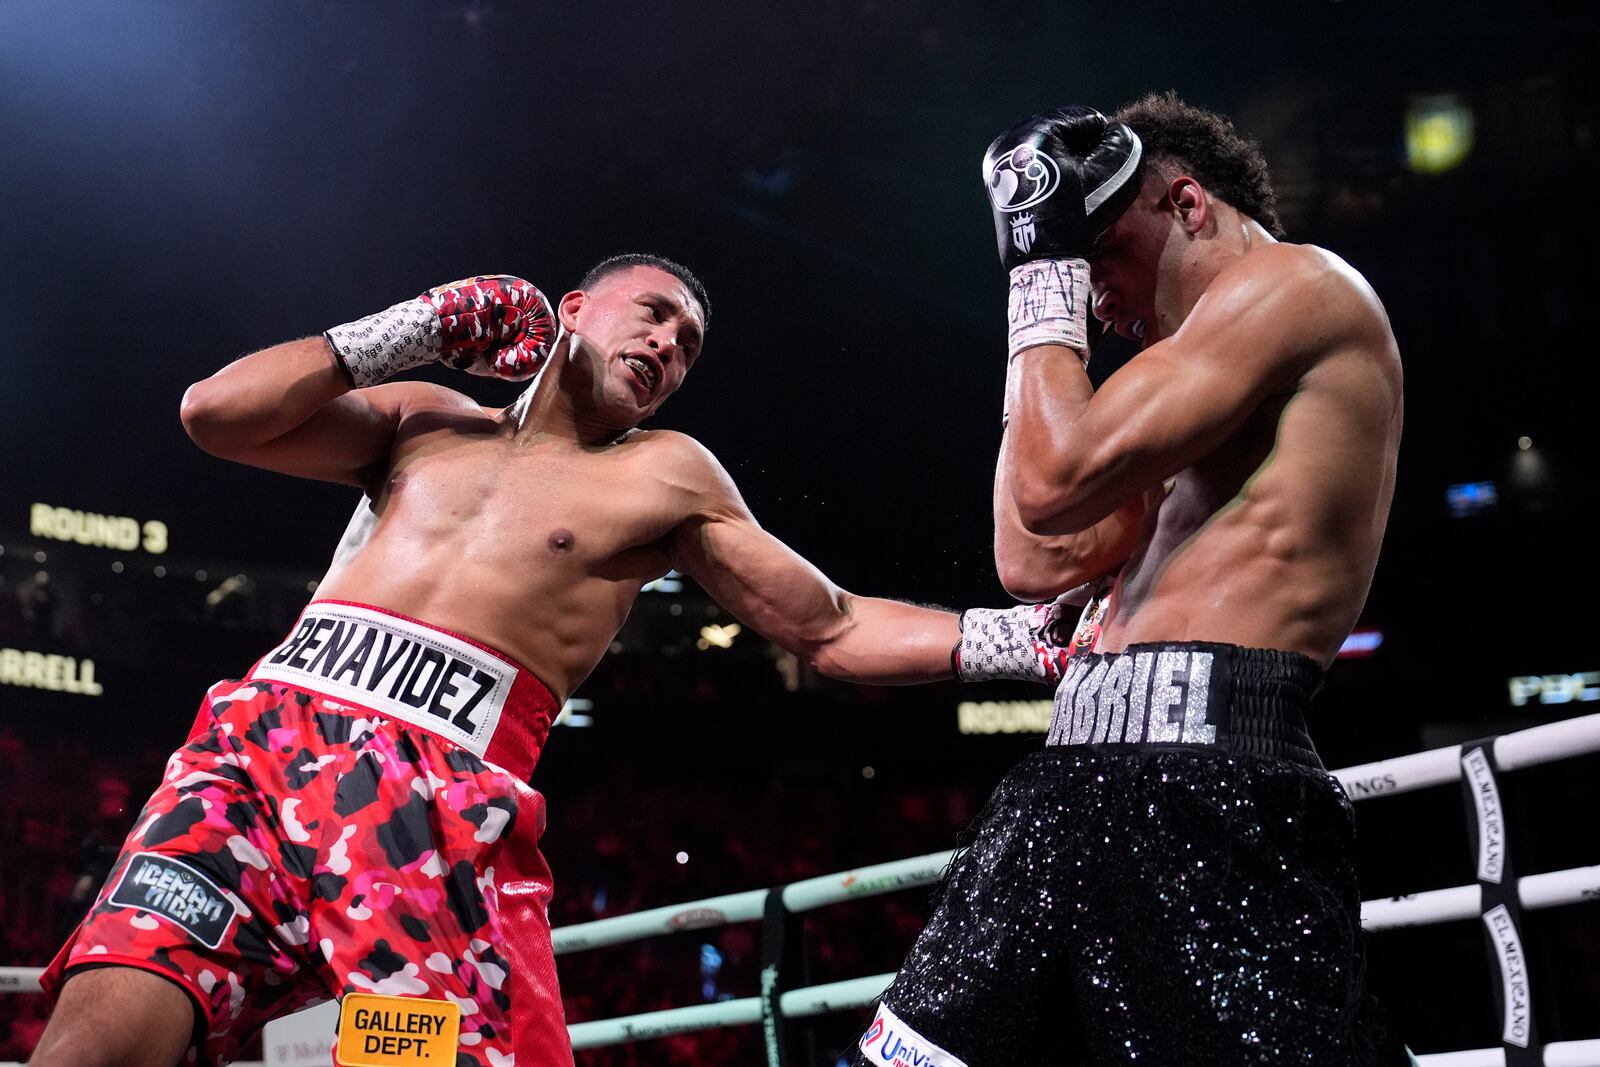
{"points": [[1036, 568], [771, 589], [1077, 454], [289, 408]]}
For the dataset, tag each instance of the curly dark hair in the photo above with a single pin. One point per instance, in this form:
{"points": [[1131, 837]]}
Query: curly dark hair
{"points": [[610, 266], [1205, 146]]}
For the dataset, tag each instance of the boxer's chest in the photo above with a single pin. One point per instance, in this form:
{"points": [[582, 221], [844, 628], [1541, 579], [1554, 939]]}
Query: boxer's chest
{"points": [[550, 504]]}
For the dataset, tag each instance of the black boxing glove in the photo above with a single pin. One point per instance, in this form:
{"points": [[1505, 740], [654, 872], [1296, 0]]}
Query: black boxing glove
{"points": [[1055, 182]]}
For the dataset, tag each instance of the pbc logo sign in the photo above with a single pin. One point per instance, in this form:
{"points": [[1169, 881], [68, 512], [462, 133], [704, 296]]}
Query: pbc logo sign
{"points": [[1554, 688]]}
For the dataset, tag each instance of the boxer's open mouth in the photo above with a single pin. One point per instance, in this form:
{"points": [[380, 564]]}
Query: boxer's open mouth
{"points": [[648, 373]]}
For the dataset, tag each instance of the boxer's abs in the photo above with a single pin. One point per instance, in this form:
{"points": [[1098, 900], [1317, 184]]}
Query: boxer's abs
{"points": [[558, 629], [1259, 564], [1271, 540]]}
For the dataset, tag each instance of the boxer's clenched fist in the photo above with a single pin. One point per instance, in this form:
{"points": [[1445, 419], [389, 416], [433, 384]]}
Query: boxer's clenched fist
{"points": [[1028, 643], [494, 325], [1056, 181]]}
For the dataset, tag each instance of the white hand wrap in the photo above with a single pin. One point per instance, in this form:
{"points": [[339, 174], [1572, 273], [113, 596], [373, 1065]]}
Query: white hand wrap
{"points": [[1012, 643], [1049, 305], [380, 346]]}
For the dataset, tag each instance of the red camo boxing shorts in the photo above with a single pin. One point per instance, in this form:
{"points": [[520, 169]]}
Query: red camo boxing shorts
{"points": [[342, 821]]}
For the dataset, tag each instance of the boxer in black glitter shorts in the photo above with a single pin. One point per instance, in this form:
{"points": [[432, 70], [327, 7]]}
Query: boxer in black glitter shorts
{"points": [[1171, 881]]}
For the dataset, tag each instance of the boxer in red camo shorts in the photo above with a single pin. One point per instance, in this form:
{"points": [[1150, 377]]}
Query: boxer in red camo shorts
{"points": [[354, 816], [298, 831]]}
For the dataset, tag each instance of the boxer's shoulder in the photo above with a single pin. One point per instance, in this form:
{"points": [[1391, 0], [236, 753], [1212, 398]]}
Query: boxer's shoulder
{"points": [[674, 457], [1307, 276], [1336, 314], [1298, 301], [1277, 270], [662, 446], [669, 447], [420, 394]]}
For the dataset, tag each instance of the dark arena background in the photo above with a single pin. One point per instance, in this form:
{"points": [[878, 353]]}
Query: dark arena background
{"points": [[187, 181]]}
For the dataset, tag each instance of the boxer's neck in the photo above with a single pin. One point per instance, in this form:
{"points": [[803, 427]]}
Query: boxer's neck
{"points": [[546, 407], [1227, 237]]}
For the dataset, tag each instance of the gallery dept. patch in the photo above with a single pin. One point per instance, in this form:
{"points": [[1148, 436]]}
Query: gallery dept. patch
{"points": [[172, 890], [383, 1031]]}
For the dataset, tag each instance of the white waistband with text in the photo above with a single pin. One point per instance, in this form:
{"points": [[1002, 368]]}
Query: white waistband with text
{"points": [[398, 668]]}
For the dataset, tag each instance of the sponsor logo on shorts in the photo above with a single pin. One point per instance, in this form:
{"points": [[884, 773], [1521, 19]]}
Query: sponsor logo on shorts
{"points": [[398, 668], [376, 1030], [172, 890], [1159, 697], [890, 1041]]}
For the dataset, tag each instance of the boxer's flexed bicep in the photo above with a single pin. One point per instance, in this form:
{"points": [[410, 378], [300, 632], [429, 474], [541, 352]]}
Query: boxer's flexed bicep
{"points": [[1257, 329], [289, 409]]}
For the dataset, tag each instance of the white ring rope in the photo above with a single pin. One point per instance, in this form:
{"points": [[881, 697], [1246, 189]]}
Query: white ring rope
{"points": [[1439, 766], [20, 979], [1539, 744], [696, 915], [747, 906], [1465, 901], [1556, 1054]]}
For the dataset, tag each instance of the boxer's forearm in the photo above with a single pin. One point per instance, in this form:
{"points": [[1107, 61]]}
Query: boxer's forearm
{"points": [[1034, 568], [1050, 394], [887, 642]]}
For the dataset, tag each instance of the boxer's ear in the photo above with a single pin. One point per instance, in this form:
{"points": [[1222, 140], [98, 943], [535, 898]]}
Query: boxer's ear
{"points": [[1188, 200], [567, 309]]}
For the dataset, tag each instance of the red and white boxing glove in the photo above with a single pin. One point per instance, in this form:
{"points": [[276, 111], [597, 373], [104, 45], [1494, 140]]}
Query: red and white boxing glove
{"points": [[1031, 642], [495, 325]]}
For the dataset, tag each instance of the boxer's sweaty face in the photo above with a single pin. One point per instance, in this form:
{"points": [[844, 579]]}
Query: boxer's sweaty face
{"points": [[1124, 266], [640, 331]]}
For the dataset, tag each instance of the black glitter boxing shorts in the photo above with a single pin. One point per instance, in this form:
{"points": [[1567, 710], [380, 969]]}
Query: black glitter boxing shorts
{"points": [[1171, 882]]}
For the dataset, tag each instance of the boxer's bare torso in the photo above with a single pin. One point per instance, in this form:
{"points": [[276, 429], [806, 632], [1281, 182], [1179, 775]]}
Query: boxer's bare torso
{"points": [[533, 543], [533, 528], [530, 529], [1277, 398], [1272, 538]]}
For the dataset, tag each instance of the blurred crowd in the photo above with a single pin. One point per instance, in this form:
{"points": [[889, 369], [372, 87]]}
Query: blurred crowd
{"points": [[60, 830]]}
